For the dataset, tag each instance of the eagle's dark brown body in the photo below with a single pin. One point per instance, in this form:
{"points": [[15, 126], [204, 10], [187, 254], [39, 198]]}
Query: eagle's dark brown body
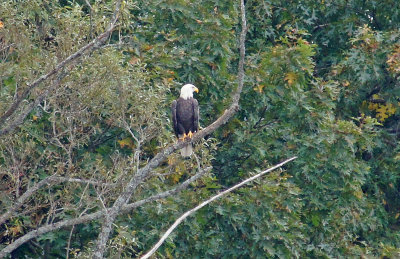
{"points": [[185, 116]]}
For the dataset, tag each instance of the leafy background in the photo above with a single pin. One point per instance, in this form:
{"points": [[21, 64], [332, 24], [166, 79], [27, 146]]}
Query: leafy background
{"points": [[321, 83]]}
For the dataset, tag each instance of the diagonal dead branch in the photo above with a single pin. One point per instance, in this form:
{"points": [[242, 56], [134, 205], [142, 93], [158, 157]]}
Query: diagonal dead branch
{"points": [[201, 205]]}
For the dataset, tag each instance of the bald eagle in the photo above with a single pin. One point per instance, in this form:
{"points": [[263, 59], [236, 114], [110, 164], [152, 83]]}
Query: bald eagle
{"points": [[185, 116]]}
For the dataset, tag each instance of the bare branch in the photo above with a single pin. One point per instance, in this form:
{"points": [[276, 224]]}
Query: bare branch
{"points": [[88, 4], [69, 242], [201, 205], [73, 227], [83, 181], [96, 215], [242, 52]]}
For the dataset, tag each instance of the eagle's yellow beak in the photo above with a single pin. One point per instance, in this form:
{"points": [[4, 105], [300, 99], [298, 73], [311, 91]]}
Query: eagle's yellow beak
{"points": [[196, 89]]}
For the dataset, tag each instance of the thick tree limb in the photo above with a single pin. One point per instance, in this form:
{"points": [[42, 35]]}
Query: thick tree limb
{"points": [[96, 215], [97, 42], [145, 171], [201, 205]]}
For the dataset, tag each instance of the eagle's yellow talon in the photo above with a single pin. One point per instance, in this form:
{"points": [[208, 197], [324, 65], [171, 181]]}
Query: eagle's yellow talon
{"points": [[190, 134], [183, 137]]}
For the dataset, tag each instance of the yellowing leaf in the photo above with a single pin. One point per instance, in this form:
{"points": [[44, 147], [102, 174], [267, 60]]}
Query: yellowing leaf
{"points": [[147, 47], [179, 172], [359, 194], [16, 230], [372, 106], [1, 24], [259, 88], [346, 83], [384, 111], [391, 109], [375, 96], [171, 160], [381, 109], [126, 142], [382, 116], [393, 61], [291, 78], [35, 118]]}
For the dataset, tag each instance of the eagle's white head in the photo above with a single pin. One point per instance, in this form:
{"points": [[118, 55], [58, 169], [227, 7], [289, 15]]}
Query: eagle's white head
{"points": [[187, 91]]}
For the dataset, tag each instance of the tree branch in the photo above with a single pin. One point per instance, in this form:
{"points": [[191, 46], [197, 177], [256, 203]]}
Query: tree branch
{"points": [[201, 205], [96, 215], [83, 181], [97, 42], [145, 171]]}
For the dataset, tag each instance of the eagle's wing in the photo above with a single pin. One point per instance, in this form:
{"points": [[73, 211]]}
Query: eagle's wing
{"points": [[196, 115], [174, 121]]}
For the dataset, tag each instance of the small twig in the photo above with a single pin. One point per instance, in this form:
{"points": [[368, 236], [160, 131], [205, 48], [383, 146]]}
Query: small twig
{"points": [[201, 205], [91, 19], [88, 4], [197, 161], [83, 181], [138, 145], [69, 241]]}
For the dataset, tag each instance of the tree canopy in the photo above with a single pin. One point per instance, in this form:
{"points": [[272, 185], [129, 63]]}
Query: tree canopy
{"points": [[85, 128]]}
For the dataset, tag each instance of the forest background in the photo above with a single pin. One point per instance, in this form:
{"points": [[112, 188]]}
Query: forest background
{"points": [[85, 93]]}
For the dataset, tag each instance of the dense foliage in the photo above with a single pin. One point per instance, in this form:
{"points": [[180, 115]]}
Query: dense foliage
{"points": [[321, 83]]}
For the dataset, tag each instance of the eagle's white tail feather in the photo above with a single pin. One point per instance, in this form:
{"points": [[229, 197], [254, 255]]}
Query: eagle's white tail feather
{"points": [[187, 150]]}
